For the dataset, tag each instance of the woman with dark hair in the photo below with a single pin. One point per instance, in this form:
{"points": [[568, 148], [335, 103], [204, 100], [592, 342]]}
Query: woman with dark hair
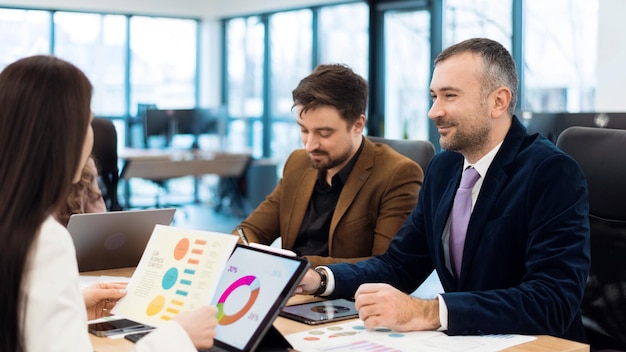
{"points": [[46, 119], [85, 195]]}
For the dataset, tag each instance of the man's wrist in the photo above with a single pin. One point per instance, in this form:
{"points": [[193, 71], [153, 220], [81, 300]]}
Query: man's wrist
{"points": [[323, 282]]}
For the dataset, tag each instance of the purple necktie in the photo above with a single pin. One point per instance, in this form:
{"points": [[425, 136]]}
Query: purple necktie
{"points": [[461, 211]]}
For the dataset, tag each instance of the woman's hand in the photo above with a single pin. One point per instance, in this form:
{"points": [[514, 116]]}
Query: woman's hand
{"points": [[200, 325], [100, 298]]}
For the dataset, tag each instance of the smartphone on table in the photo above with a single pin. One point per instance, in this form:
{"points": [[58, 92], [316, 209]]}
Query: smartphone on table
{"points": [[118, 326], [321, 312]]}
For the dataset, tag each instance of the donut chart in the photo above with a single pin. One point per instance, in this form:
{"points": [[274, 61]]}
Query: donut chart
{"points": [[254, 285]]}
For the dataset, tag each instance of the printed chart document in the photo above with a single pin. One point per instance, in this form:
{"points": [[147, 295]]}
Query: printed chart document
{"points": [[354, 337], [179, 271]]}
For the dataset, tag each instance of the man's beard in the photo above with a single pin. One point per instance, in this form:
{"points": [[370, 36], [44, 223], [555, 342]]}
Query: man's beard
{"points": [[329, 163]]}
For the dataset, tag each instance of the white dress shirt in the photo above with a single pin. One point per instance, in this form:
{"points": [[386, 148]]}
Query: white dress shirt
{"points": [[55, 314]]}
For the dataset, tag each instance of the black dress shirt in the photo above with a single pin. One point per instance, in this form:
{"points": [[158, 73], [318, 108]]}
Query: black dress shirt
{"points": [[313, 235]]}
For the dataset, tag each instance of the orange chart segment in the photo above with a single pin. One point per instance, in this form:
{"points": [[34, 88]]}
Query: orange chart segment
{"points": [[253, 283], [180, 251]]}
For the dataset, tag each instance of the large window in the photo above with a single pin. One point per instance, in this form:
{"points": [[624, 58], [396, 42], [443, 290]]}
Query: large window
{"points": [[560, 55], [290, 61], [23, 33], [245, 50], [163, 62], [478, 18], [342, 41], [97, 45], [407, 74]]}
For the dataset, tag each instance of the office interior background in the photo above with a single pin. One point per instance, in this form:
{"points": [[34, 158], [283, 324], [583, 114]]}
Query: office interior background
{"points": [[242, 58]]}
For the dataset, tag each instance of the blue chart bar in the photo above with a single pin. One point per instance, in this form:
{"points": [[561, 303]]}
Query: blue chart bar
{"points": [[189, 271], [181, 292], [185, 282]]}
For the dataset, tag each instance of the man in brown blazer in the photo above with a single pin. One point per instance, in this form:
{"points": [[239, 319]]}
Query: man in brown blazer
{"points": [[342, 198]]}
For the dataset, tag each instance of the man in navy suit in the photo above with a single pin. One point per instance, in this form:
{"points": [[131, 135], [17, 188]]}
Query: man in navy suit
{"points": [[526, 256]]}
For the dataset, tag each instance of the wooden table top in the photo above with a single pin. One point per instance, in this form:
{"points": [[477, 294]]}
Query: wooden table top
{"points": [[287, 326]]}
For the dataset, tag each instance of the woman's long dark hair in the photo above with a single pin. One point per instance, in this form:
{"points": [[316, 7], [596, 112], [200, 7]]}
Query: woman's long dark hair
{"points": [[44, 116]]}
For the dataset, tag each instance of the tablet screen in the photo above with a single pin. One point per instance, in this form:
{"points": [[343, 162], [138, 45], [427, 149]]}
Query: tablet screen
{"points": [[254, 286]]}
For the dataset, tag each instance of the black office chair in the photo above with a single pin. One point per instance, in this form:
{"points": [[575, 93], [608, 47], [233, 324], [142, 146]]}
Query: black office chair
{"points": [[157, 124], [420, 151], [601, 153], [105, 155]]}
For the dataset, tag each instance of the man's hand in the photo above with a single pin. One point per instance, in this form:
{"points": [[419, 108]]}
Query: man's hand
{"points": [[100, 298], [381, 305], [309, 283]]}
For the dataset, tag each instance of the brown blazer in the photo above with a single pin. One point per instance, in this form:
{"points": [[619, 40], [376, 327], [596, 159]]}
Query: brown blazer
{"points": [[378, 196]]}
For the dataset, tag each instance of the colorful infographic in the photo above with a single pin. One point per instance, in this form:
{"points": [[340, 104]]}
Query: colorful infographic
{"points": [[179, 271], [253, 284], [353, 336]]}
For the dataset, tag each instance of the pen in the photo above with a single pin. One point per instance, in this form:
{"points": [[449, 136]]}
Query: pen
{"points": [[242, 235]]}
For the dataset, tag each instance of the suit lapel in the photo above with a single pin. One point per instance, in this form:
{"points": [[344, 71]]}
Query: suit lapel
{"points": [[494, 181], [301, 198], [361, 171]]}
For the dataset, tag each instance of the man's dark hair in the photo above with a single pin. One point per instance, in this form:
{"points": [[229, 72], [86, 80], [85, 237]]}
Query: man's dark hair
{"points": [[333, 85]]}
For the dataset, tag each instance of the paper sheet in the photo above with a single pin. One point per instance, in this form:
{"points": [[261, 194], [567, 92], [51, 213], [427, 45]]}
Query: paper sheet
{"points": [[179, 271], [354, 337]]}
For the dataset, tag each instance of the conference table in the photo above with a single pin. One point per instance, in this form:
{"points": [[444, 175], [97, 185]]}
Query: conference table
{"points": [[286, 326], [163, 164]]}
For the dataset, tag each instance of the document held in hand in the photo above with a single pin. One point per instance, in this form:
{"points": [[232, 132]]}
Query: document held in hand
{"points": [[178, 271]]}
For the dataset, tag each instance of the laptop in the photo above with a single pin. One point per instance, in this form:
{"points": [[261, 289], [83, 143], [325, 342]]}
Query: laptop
{"points": [[114, 239]]}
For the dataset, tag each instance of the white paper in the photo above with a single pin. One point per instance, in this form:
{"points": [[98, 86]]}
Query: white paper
{"points": [[354, 337], [86, 280], [178, 271]]}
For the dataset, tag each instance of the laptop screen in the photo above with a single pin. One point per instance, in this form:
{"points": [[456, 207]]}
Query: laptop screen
{"points": [[254, 287], [114, 239]]}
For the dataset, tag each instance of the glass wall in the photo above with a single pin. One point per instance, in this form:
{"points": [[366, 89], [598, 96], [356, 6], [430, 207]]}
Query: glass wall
{"points": [[162, 62], [407, 74], [23, 33], [478, 18], [560, 41], [97, 45], [290, 61], [245, 49], [133, 59], [342, 41], [130, 59]]}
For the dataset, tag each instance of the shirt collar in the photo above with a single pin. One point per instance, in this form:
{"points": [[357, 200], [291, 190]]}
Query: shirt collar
{"points": [[482, 165]]}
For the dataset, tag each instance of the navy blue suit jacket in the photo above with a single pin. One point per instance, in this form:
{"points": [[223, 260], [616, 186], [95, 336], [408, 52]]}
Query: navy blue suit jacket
{"points": [[526, 256]]}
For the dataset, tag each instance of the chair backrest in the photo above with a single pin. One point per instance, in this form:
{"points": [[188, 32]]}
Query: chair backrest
{"points": [[420, 151], [105, 155], [601, 154], [157, 123]]}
